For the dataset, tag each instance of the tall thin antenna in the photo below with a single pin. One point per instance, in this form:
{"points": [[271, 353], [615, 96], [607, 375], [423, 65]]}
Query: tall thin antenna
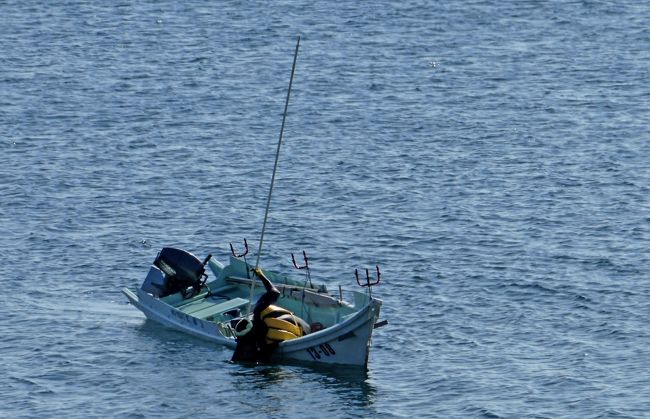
{"points": [[275, 168]]}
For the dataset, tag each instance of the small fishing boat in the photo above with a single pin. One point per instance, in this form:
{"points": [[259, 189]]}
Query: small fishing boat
{"points": [[177, 294], [327, 329]]}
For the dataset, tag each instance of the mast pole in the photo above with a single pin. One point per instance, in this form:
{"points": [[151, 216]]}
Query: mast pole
{"points": [[275, 168]]}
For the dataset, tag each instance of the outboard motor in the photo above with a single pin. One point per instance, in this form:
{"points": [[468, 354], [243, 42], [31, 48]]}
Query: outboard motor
{"points": [[183, 272]]}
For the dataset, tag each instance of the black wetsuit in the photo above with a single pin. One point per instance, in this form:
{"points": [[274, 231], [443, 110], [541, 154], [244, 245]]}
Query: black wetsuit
{"points": [[252, 347]]}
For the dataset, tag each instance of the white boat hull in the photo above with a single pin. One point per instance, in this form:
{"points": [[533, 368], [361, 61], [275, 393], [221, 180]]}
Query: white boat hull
{"points": [[346, 342]]}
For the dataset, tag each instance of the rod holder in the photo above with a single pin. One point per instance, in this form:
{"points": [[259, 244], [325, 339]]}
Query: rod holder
{"points": [[232, 250], [305, 266], [369, 280]]}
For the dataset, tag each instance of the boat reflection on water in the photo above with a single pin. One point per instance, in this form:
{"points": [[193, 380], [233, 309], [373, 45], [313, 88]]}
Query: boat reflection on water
{"points": [[263, 388], [277, 384]]}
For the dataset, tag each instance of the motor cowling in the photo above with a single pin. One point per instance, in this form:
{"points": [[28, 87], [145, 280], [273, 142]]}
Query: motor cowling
{"points": [[182, 271]]}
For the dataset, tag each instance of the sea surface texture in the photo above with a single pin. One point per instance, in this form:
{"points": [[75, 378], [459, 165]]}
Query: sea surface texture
{"points": [[492, 157]]}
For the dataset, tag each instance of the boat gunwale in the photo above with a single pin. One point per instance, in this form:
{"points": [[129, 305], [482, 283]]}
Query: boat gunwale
{"points": [[347, 321]]}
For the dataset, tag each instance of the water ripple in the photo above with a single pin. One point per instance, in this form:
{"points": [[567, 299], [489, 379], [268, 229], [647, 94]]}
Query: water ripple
{"points": [[490, 156]]}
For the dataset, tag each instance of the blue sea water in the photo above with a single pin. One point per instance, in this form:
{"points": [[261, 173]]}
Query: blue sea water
{"points": [[491, 156]]}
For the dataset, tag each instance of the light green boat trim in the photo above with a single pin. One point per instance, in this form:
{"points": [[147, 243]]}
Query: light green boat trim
{"points": [[213, 310]]}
